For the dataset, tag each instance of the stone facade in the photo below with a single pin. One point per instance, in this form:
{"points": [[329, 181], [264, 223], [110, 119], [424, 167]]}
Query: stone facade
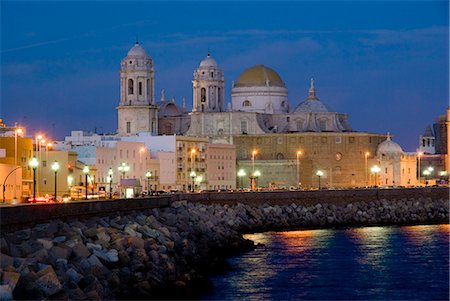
{"points": [[137, 111], [340, 156]]}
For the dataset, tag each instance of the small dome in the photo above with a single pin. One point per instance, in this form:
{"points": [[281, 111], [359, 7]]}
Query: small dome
{"points": [[137, 51], [312, 106], [259, 76], [389, 147], [208, 62]]}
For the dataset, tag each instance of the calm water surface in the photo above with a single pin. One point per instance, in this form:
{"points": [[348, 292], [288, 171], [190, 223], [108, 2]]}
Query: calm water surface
{"points": [[372, 263]]}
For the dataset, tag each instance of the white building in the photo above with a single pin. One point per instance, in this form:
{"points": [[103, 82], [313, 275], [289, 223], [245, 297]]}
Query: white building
{"points": [[397, 168]]}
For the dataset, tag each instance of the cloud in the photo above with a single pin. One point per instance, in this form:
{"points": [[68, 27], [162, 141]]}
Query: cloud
{"points": [[393, 37]]}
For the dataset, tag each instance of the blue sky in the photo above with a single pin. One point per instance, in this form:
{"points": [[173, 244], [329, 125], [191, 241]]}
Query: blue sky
{"points": [[385, 63]]}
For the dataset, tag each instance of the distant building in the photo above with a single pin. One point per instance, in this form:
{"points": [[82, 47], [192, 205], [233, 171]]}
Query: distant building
{"points": [[397, 168], [20, 179]]}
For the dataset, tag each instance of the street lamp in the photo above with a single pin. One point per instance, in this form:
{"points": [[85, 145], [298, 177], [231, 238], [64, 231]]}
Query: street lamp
{"points": [[34, 164], [375, 170], [366, 155], [193, 175], [110, 178], [419, 171], [427, 172], [123, 169], [299, 153], [256, 175], [252, 178], [241, 174], [55, 168], [16, 132], [199, 180], [86, 174], [148, 175], [319, 174]]}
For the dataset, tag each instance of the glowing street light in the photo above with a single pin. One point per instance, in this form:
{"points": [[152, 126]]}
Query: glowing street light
{"points": [[148, 175], [299, 153], [123, 169], [419, 155], [34, 164], [256, 175], [193, 174], [252, 177], [241, 174], [375, 170], [86, 174], [319, 174], [427, 172], [366, 170], [17, 131], [55, 168], [110, 178]]}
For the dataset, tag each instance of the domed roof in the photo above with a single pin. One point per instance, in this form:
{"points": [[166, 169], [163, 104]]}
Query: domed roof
{"points": [[208, 62], [258, 76], [312, 103], [312, 106], [389, 147], [137, 51]]}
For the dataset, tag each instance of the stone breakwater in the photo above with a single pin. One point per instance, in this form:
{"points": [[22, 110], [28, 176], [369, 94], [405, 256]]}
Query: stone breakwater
{"points": [[165, 252]]}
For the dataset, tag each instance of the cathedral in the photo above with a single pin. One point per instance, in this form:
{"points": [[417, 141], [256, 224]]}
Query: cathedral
{"points": [[268, 134], [259, 104]]}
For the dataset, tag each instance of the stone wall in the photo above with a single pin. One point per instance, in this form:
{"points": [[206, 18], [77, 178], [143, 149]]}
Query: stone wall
{"points": [[165, 251]]}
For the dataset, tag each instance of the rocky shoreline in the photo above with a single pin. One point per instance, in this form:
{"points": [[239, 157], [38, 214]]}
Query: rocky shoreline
{"points": [[165, 253]]}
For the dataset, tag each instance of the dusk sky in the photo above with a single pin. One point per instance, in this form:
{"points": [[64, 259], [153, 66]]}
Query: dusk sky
{"points": [[384, 63]]}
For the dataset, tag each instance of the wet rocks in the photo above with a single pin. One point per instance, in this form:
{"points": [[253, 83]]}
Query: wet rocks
{"points": [[164, 252]]}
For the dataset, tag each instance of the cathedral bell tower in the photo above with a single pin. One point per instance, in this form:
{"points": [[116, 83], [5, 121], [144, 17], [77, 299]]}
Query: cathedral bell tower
{"points": [[208, 87], [137, 111]]}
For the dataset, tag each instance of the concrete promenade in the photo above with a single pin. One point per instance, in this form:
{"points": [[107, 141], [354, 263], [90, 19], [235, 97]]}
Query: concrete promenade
{"points": [[24, 214]]}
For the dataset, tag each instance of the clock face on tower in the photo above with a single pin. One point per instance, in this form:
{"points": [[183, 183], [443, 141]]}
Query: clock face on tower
{"points": [[338, 156]]}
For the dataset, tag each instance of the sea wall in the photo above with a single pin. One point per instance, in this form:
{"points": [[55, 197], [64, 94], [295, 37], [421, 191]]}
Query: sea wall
{"points": [[166, 251]]}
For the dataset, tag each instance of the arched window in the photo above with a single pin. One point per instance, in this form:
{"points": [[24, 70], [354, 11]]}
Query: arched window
{"points": [[246, 103], [280, 156], [283, 104], [148, 87], [203, 95], [130, 86], [140, 88]]}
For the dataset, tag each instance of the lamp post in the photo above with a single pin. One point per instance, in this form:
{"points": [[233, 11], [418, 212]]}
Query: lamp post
{"points": [[241, 174], [16, 132], [193, 175], [252, 178], [256, 175], [86, 174], [148, 175], [299, 153], [375, 170], [110, 178], [141, 151], [34, 164], [427, 172], [123, 169], [419, 154], [199, 180], [55, 168], [319, 174], [366, 170], [39, 140]]}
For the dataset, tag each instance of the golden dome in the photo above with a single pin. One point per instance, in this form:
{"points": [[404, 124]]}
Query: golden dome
{"points": [[258, 76]]}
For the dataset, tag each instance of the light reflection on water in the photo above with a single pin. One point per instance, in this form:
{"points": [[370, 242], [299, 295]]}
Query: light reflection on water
{"points": [[368, 263]]}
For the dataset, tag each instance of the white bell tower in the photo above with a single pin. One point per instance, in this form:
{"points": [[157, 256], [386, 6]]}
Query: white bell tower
{"points": [[137, 111], [208, 87]]}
